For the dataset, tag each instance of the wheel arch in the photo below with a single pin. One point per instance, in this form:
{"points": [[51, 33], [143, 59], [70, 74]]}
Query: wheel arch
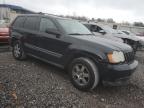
{"points": [[13, 39], [77, 54]]}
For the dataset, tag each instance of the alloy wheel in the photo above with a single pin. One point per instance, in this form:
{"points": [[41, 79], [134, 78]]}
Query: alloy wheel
{"points": [[17, 51], [80, 74]]}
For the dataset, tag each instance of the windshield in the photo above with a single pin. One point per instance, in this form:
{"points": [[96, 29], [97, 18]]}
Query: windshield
{"points": [[73, 27]]}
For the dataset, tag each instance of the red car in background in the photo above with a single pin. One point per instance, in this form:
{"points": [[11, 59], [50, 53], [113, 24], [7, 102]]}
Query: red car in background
{"points": [[4, 34]]}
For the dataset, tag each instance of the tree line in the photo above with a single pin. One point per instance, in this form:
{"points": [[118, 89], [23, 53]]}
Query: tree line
{"points": [[109, 20]]}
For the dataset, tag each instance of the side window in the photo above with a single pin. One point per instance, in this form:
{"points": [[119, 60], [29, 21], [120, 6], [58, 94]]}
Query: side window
{"points": [[19, 22], [99, 29], [88, 26], [93, 28], [46, 24], [31, 23]]}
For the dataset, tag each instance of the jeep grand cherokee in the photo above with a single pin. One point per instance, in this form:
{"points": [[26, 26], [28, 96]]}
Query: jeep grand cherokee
{"points": [[68, 44]]}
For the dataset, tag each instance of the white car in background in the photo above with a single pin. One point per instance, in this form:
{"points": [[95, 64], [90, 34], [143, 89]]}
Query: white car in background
{"points": [[132, 34], [105, 31], [141, 38]]}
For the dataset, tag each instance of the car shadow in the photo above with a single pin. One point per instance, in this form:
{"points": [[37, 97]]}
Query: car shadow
{"points": [[47, 66]]}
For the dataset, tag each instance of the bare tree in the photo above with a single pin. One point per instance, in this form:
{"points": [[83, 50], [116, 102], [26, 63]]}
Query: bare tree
{"points": [[140, 24], [110, 20]]}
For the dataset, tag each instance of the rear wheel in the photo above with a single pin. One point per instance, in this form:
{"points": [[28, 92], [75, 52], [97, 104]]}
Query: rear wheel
{"points": [[84, 74], [18, 52]]}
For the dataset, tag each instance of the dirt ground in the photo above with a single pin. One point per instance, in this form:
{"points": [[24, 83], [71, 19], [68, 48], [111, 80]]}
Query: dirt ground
{"points": [[35, 84]]}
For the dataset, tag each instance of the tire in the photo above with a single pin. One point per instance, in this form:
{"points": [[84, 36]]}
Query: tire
{"points": [[84, 74], [17, 51]]}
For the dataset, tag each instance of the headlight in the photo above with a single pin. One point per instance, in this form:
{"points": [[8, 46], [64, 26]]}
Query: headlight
{"points": [[116, 57]]}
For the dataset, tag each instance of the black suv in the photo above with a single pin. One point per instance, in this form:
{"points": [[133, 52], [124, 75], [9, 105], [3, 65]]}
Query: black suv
{"points": [[68, 44]]}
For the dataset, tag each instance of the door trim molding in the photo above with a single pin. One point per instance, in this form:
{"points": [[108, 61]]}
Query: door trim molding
{"points": [[43, 50]]}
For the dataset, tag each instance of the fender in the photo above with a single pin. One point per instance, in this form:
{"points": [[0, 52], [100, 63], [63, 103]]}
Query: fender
{"points": [[83, 51]]}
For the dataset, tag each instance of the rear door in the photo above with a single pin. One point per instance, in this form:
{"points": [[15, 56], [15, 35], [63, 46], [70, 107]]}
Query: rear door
{"points": [[16, 29], [31, 39]]}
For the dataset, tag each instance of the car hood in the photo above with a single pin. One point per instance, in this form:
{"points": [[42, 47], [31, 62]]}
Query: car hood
{"points": [[134, 38], [107, 36], [105, 42]]}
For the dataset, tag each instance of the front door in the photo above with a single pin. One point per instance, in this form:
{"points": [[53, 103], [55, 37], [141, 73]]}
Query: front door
{"points": [[51, 47]]}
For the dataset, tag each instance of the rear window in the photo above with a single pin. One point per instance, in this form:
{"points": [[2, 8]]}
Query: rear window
{"points": [[32, 23], [19, 22]]}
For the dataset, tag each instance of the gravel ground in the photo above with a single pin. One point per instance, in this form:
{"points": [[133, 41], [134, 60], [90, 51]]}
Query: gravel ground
{"points": [[34, 84], [4, 47]]}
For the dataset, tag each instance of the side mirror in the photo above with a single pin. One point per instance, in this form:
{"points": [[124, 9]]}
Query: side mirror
{"points": [[102, 32], [53, 31]]}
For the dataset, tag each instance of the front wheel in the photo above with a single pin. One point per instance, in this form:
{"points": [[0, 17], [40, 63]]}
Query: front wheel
{"points": [[17, 51], [84, 74]]}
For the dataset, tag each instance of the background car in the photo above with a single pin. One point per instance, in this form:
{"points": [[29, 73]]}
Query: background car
{"points": [[106, 31], [94, 29], [4, 34], [141, 38]]}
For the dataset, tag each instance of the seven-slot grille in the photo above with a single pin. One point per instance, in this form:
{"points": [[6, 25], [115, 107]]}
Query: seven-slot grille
{"points": [[129, 56]]}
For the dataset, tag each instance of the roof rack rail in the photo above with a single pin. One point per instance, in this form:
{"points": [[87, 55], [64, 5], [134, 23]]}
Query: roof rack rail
{"points": [[48, 14]]}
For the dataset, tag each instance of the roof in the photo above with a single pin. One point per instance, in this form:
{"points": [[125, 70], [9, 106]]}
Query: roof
{"points": [[45, 15], [16, 8]]}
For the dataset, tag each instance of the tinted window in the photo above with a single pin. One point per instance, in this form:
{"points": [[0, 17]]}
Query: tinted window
{"points": [[31, 23], [98, 29], [19, 22], [93, 28], [46, 24]]}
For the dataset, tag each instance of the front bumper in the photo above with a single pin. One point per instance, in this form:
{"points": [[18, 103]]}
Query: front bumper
{"points": [[114, 73]]}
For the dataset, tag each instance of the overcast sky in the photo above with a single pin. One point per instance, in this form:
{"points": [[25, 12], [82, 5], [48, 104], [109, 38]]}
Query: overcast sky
{"points": [[119, 10]]}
